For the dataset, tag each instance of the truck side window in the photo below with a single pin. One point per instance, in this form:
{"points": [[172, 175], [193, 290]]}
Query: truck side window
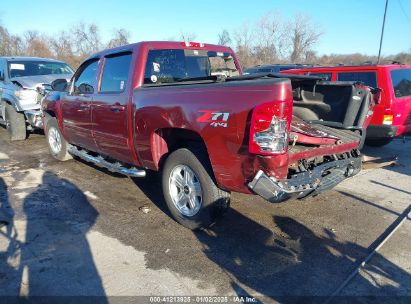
{"points": [[368, 78], [165, 66], [85, 82], [115, 73]]}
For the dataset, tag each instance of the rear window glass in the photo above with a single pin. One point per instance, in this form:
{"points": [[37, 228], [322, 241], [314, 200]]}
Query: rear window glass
{"points": [[401, 82], [115, 73], [367, 78], [173, 65], [326, 76]]}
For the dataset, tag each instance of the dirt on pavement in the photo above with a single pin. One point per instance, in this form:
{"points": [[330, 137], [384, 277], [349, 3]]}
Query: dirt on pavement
{"points": [[75, 229]]}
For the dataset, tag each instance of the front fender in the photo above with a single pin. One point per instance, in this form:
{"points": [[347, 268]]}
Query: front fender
{"points": [[51, 107], [12, 100]]}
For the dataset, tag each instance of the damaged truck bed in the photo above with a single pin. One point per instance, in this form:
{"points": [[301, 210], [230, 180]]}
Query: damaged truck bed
{"points": [[326, 133]]}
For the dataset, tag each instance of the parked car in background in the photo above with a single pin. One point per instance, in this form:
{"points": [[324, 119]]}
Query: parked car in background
{"points": [[392, 116], [24, 81], [273, 68]]}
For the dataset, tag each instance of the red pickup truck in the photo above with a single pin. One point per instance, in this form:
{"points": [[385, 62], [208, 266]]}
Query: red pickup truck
{"points": [[185, 109]]}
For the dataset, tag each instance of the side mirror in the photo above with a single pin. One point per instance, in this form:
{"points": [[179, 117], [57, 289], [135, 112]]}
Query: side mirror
{"points": [[85, 88], [59, 85]]}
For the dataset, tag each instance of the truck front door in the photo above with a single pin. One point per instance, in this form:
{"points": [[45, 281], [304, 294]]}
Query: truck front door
{"points": [[76, 106], [110, 107]]}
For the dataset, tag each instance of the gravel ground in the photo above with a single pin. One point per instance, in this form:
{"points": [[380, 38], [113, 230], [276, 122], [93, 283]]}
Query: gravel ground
{"points": [[78, 230]]}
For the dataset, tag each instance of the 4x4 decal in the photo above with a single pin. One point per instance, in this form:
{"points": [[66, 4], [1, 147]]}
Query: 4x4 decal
{"points": [[215, 118]]}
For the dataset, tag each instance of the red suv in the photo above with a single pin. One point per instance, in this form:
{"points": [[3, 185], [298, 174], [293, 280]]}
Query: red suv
{"points": [[392, 117]]}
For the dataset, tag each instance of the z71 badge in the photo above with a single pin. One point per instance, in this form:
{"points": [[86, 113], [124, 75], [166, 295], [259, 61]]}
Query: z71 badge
{"points": [[215, 118]]}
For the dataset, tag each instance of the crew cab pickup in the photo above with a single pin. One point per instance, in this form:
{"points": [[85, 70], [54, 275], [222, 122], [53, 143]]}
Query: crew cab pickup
{"points": [[184, 109]]}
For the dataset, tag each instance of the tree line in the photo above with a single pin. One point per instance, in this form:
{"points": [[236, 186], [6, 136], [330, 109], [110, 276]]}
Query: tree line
{"points": [[268, 40], [71, 46]]}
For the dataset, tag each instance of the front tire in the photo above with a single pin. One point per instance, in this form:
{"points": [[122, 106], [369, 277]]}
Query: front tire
{"points": [[58, 146], [15, 123], [191, 195]]}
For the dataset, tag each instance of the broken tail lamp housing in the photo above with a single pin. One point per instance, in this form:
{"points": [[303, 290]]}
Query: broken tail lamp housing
{"points": [[269, 129]]}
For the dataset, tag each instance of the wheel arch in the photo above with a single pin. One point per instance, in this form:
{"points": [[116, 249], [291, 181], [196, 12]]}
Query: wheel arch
{"points": [[51, 109], [164, 141], [11, 101]]}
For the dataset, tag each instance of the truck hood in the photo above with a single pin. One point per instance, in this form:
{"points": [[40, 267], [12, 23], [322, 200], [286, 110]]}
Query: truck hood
{"points": [[32, 82]]}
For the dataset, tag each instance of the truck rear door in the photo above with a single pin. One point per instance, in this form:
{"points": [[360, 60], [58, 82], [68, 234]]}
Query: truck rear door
{"points": [[110, 105]]}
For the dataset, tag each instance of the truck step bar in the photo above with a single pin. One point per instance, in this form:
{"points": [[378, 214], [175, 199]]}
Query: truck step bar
{"points": [[99, 161]]}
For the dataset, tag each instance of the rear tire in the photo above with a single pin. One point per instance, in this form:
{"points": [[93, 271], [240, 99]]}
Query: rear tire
{"points": [[190, 192], [58, 146], [378, 142], [15, 123]]}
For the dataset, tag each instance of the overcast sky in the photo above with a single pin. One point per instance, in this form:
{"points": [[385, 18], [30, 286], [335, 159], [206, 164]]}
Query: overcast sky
{"points": [[348, 25]]}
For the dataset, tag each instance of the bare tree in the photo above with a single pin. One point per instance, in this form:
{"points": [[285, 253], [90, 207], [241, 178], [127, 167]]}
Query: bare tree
{"points": [[62, 45], [244, 41], [187, 36], [302, 37], [120, 38], [75, 45], [86, 38], [36, 44], [266, 41], [224, 38], [310, 57], [346, 59], [402, 57], [10, 45], [268, 36]]}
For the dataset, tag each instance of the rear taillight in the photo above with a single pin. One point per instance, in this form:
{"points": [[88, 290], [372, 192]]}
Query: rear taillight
{"points": [[387, 119], [269, 128]]}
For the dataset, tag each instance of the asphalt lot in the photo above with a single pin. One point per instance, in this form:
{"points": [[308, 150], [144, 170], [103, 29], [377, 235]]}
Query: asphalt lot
{"points": [[77, 230]]}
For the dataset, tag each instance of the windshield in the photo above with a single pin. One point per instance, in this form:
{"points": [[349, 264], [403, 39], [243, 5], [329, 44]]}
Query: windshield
{"points": [[174, 65], [401, 82], [35, 68]]}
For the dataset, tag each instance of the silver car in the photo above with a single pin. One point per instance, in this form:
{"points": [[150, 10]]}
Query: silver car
{"points": [[24, 81]]}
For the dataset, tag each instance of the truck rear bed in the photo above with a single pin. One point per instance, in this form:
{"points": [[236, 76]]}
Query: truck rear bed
{"points": [[326, 133], [343, 140]]}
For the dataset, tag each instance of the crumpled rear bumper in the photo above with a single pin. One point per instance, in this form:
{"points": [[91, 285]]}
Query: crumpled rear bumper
{"points": [[323, 177]]}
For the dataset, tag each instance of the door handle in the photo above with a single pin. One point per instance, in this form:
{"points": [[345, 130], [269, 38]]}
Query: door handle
{"points": [[117, 107], [84, 107]]}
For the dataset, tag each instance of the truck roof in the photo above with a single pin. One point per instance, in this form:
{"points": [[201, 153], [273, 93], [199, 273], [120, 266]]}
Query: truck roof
{"points": [[354, 67], [164, 45], [281, 64], [27, 58]]}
